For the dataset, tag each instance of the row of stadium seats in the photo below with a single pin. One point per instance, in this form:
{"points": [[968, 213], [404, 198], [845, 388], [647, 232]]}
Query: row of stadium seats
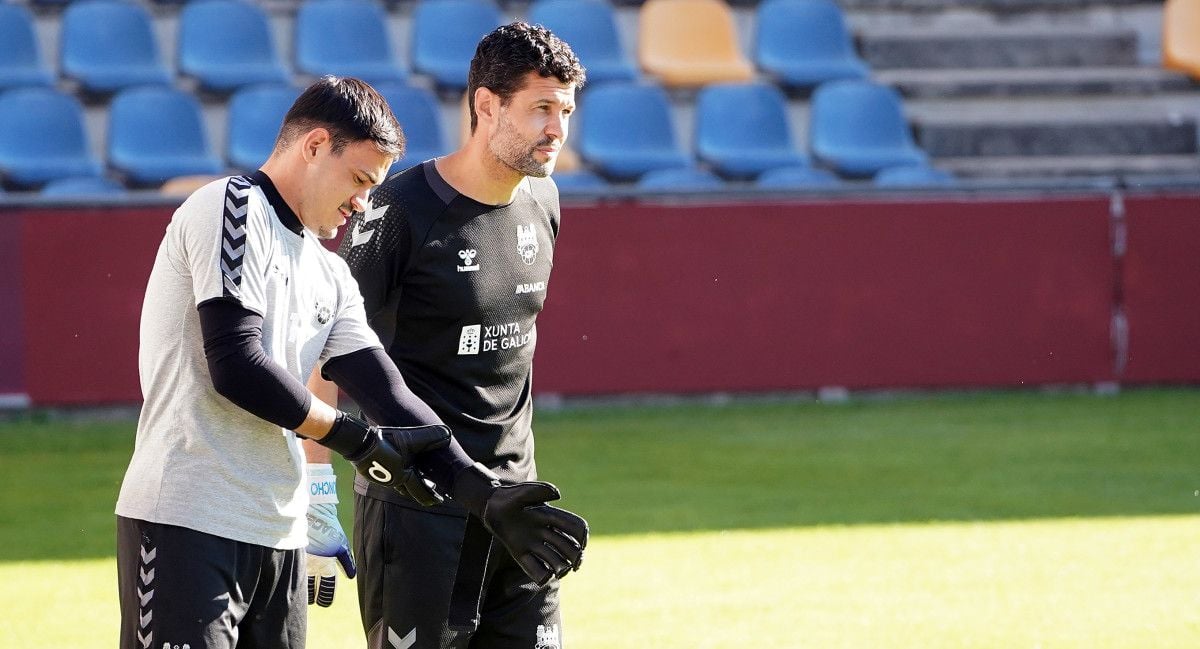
{"points": [[623, 131], [106, 45]]}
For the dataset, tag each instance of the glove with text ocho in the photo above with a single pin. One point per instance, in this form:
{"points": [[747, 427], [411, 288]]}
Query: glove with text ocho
{"points": [[327, 543], [545, 541], [388, 461]]}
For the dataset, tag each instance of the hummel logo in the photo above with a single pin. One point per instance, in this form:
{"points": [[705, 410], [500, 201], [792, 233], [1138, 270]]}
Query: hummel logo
{"points": [[358, 236], [407, 641], [467, 255]]}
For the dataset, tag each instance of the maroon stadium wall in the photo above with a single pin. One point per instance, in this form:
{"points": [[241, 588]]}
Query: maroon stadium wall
{"points": [[733, 297]]}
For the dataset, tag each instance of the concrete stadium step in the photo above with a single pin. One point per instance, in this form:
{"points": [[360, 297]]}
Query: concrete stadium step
{"points": [[1045, 167], [999, 47], [1131, 136], [1025, 82]]}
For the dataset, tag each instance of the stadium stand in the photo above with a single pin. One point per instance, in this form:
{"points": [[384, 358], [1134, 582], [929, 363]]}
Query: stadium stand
{"points": [[683, 179], [991, 89], [107, 45], [43, 137], [742, 129], [626, 129], [227, 44], [590, 26], [255, 114], [802, 177], [804, 43], [444, 36], [155, 134], [418, 112], [1181, 36], [20, 59], [83, 186], [687, 43], [347, 38], [858, 128]]}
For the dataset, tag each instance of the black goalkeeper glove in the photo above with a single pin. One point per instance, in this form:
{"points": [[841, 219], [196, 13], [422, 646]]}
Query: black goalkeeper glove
{"points": [[545, 541], [388, 461]]}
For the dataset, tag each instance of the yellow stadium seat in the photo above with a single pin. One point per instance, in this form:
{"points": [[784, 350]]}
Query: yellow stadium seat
{"points": [[691, 43], [1181, 36]]}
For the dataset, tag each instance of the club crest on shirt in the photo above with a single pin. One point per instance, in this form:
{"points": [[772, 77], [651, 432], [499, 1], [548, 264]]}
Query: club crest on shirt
{"points": [[547, 637], [323, 313], [527, 243]]}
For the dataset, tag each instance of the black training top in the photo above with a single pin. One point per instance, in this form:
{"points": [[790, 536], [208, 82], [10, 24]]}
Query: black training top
{"points": [[453, 288]]}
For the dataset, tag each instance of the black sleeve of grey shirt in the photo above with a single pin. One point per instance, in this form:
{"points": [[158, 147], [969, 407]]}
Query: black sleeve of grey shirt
{"points": [[370, 378], [241, 370]]}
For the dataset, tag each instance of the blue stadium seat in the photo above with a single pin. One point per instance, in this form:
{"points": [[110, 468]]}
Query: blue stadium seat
{"points": [[444, 36], [580, 181], [255, 115], [347, 38], [107, 45], [590, 26], [226, 44], [805, 43], [858, 128], [742, 129], [915, 176], [155, 134], [83, 186], [625, 130], [418, 112], [799, 177], [42, 137], [684, 179], [20, 59]]}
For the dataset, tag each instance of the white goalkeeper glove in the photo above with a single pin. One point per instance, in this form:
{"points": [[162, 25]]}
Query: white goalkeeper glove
{"points": [[327, 543]]}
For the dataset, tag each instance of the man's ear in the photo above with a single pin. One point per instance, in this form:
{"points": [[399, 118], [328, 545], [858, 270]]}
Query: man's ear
{"points": [[313, 142], [487, 103]]}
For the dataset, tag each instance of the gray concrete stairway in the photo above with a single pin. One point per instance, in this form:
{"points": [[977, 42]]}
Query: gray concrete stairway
{"points": [[1034, 88]]}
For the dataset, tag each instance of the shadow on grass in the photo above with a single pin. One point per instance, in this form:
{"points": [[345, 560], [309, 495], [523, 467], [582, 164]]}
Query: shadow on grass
{"points": [[763, 465]]}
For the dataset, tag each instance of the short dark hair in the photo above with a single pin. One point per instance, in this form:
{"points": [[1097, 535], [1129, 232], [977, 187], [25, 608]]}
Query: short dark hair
{"points": [[350, 109], [505, 56]]}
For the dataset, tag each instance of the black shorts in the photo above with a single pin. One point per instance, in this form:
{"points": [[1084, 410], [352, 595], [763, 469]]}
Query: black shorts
{"points": [[407, 562], [182, 588]]}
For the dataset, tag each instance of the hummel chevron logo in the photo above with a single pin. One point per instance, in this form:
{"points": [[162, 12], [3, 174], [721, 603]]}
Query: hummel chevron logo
{"points": [[374, 213], [358, 237], [147, 576], [233, 239], [148, 557], [235, 229], [402, 643], [145, 597], [145, 639], [144, 620]]}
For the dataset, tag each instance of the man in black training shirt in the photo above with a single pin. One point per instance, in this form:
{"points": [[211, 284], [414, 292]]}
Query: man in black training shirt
{"points": [[453, 258]]}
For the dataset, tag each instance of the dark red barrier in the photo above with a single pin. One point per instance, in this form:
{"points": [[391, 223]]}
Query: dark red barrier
{"points": [[85, 274], [12, 331], [776, 297], [714, 298], [1162, 289]]}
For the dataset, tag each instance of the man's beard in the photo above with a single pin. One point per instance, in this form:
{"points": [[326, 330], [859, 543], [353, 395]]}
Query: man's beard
{"points": [[517, 154]]}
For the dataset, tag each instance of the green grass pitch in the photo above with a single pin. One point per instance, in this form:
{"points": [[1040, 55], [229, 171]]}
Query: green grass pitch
{"points": [[960, 520]]}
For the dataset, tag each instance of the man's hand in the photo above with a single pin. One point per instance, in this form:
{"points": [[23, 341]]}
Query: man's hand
{"points": [[388, 460], [545, 541], [327, 543]]}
